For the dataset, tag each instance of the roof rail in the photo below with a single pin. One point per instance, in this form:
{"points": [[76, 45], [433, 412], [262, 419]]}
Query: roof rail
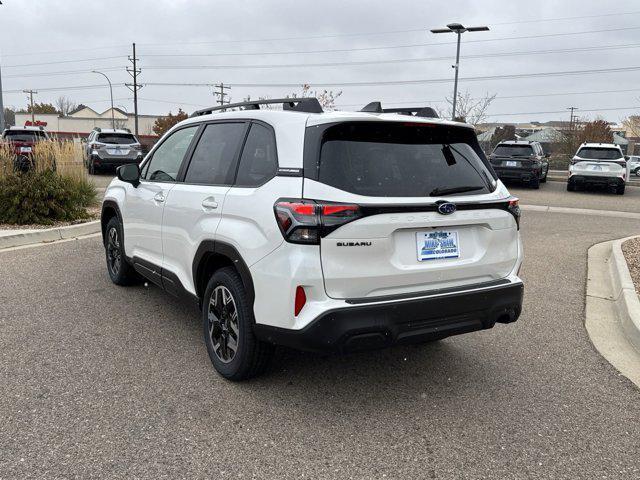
{"points": [[307, 104], [376, 107]]}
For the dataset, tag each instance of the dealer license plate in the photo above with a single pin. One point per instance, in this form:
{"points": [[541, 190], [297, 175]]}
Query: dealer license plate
{"points": [[437, 244]]}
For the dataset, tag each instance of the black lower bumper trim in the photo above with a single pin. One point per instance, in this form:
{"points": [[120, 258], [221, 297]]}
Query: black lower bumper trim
{"points": [[366, 327], [522, 174], [582, 179]]}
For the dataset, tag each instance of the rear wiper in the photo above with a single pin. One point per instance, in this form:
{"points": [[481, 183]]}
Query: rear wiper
{"points": [[438, 192]]}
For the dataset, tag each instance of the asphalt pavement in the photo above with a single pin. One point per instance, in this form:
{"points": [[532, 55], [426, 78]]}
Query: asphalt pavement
{"points": [[98, 381]]}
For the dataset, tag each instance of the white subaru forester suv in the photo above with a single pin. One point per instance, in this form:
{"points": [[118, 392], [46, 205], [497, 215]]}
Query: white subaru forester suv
{"points": [[321, 231]]}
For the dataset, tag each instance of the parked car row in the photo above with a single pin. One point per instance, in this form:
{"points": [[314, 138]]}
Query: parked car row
{"points": [[594, 164]]}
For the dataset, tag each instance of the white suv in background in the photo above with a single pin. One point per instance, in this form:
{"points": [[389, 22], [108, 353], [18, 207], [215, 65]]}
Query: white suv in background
{"points": [[321, 231], [598, 164], [634, 165]]}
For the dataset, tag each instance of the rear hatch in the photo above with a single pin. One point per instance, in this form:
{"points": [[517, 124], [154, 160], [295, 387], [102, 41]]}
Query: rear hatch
{"points": [[430, 214], [513, 156], [602, 162]]}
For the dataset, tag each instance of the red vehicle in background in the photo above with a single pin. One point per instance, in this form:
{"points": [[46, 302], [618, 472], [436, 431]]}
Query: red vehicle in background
{"points": [[22, 140]]}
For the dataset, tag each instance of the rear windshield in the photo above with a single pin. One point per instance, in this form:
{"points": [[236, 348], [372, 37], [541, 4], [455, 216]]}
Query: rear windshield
{"points": [[392, 159], [599, 153], [117, 138], [514, 150], [24, 135]]}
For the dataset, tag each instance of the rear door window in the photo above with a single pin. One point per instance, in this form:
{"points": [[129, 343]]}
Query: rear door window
{"points": [[214, 159], [393, 159], [259, 162]]}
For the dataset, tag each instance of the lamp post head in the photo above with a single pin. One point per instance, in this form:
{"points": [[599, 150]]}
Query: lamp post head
{"points": [[456, 27]]}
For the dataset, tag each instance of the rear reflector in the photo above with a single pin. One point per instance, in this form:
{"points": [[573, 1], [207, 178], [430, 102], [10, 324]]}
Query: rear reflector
{"points": [[301, 299]]}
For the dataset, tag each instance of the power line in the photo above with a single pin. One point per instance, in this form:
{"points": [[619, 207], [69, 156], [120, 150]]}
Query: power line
{"points": [[377, 33], [413, 82], [563, 111], [387, 47], [64, 72], [62, 61], [392, 61], [509, 97], [69, 87]]}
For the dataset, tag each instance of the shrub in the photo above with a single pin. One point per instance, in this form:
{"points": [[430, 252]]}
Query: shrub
{"points": [[56, 189]]}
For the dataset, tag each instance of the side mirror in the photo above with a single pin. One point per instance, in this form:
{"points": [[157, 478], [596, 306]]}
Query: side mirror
{"points": [[129, 173], [626, 157], [547, 155]]}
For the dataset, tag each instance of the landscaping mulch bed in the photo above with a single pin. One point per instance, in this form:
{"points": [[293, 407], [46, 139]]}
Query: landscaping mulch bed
{"points": [[631, 250], [94, 214]]}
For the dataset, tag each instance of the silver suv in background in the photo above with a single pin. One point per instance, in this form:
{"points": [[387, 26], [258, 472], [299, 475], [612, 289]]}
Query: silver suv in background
{"points": [[107, 147], [634, 164], [600, 164]]}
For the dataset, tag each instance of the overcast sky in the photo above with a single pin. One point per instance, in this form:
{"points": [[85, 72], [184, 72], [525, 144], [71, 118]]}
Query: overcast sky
{"points": [[81, 35]]}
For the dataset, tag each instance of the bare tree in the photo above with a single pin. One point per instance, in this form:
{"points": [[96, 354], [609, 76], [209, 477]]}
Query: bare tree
{"points": [[468, 109], [327, 98], [632, 123], [64, 105]]}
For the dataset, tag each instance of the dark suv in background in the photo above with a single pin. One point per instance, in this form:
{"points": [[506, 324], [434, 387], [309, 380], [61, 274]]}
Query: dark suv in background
{"points": [[522, 161], [107, 147]]}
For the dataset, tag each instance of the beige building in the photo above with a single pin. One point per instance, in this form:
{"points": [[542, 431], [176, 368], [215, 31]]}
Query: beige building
{"points": [[81, 121]]}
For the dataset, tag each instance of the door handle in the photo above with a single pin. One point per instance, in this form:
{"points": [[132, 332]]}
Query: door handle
{"points": [[159, 197], [209, 203]]}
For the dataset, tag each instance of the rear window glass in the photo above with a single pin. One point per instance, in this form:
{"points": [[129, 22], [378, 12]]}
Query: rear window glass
{"points": [[393, 159], [24, 136], [117, 138], [514, 150], [599, 153]]}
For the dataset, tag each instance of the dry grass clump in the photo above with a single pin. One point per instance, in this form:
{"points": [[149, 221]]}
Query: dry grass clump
{"points": [[55, 187]]}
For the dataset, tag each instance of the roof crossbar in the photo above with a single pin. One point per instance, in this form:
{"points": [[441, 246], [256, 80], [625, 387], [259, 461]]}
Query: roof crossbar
{"points": [[376, 107], [308, 105]]}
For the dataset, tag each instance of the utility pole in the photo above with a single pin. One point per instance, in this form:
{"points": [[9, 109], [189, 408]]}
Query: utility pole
{"points": [[31, 93], [134, 87], [571, 121], [458, 29], [2, 123], [221, 86]]}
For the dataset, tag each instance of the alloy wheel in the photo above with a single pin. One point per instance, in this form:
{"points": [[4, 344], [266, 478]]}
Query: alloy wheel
{"points": [[114, 255], [223, 324]]}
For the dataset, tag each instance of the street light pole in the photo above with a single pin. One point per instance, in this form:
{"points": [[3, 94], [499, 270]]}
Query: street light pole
{"points": [[2, 123], [458, 29], [113, 120]]}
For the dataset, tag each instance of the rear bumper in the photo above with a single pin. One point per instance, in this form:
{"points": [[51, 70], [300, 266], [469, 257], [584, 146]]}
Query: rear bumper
{"points": [[596, 179], [521, 174], [116, 160], [379, 325]]}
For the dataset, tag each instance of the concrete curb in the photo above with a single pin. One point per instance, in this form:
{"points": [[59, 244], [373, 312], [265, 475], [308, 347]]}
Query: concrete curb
{"points": [[624, 293], [50, 234], [612, 330]]}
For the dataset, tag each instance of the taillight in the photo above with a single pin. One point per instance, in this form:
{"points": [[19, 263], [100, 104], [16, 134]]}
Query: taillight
{"points": [[307, 221], [514, 209]]}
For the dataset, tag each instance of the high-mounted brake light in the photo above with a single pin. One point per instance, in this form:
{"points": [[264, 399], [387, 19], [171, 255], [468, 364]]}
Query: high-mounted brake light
{"points": [[306, 221]]}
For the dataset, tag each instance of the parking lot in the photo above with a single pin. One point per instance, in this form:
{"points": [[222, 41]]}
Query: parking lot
{"points": [[101, 381]]}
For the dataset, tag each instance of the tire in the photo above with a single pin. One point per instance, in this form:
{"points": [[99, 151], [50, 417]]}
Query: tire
{"points": [[544, 178], [534, 183], [637, 172], [571, 187], [620, 190], [120, 271], [224, 300], [92, 167]]}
